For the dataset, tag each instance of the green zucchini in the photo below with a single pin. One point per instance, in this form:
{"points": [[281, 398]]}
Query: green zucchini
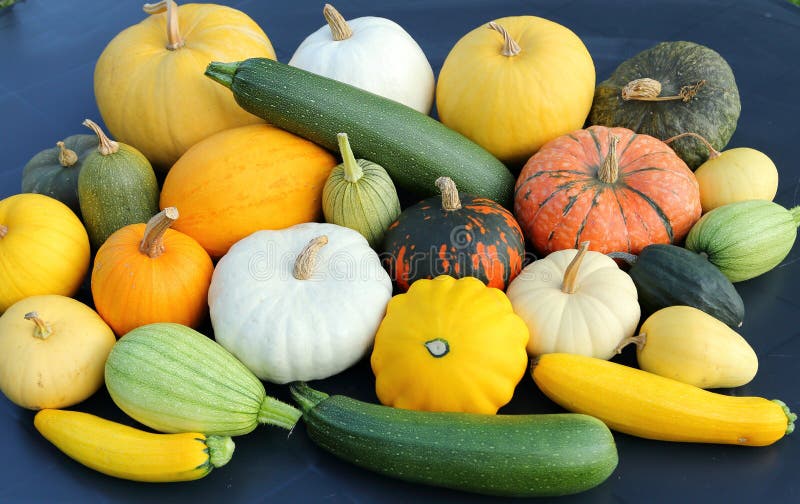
{"points": [[503, 455], [414, 148], [668, 275], [172, 378]]}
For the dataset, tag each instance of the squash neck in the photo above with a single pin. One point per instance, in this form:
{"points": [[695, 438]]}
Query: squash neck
{"points": [[66, 157], [43, 329], [712, 152], [152, 244], [174, 39], [340, 30], [647, 89], [570, 284], [3, 231], [106, 145], [450, 199], [609, 170], [306, 262], [352, 170], [510, 46]]}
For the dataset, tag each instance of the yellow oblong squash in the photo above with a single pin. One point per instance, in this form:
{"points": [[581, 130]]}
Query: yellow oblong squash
{"points": [[128, 453], [646, 405]]}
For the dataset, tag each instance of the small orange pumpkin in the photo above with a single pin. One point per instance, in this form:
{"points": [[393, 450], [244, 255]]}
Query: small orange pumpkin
{"points": [[146, 274], [609, 186]]}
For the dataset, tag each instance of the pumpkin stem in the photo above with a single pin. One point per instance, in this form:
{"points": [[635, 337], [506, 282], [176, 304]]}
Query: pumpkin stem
{"points": [[66, 157], [648, 90], [340, 30], [510, 46], [3, 231], [307, 260], [43, 330], [220, 450], [571, 274], [352, 170], [609, 171], [450, 199], [639, 341], [152, 243], [712, 152], [106, 146], [624, 256], [174, 39]]}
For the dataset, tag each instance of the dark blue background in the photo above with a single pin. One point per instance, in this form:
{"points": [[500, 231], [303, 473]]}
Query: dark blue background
{"points": [[47, 55]]}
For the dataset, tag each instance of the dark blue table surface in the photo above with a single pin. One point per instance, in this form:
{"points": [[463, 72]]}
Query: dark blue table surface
{"points": [[47, 54]]}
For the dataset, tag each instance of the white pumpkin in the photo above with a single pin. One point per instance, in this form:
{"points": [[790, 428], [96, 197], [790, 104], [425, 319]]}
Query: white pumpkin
{"points": [[371, 53], [301, 303], [575, 301]]}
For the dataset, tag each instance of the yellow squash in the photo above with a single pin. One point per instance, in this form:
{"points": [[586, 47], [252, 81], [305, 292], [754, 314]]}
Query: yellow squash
{"points": [[514, 84], [44, 248], [643, 404], [149, 82], [449, 345], [688, 345], [125, 452], [53, 352]]}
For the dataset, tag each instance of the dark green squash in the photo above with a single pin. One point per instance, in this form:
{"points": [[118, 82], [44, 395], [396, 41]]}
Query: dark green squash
{"points": [[54, 172], [116, 187], [454, 234], [668, 275], [669, 89]]}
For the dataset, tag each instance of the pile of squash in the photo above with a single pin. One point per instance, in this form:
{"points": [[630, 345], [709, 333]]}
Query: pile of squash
{"points": [[608, 215]]}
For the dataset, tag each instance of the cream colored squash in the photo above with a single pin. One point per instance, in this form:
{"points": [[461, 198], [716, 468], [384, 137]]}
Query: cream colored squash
{"points": [[576, 302]]}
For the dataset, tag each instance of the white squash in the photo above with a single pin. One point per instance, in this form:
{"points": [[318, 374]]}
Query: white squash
{"points": [[575, 301], [371, 53], [301, 303]]}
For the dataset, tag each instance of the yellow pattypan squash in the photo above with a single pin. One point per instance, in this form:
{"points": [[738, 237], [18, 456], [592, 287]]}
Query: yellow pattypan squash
{"points": [[449, 345]]}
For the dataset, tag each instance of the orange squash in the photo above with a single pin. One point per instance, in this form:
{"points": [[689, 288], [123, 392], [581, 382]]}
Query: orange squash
{"points": [[244, 180], [149, 273]]}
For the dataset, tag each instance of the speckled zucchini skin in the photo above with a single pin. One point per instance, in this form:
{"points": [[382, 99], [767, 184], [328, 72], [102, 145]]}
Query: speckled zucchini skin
{"points": [[502, 455]]}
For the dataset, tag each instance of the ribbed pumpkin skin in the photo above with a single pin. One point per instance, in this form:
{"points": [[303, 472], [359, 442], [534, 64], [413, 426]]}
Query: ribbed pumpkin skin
{"points": [[560, 201], [244, 180], [131, 289], [44, 174], [745, 239], [45, 251], [712, 113], [481, 239], [157, 99], [174, 379], [116, 190]]}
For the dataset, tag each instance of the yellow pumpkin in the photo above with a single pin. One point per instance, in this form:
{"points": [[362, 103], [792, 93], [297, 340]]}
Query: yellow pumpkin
{"points": [[449, 345], [149, 82], [53, 352], [44, 248], [244, 180], [734, 175], [515, 84]]}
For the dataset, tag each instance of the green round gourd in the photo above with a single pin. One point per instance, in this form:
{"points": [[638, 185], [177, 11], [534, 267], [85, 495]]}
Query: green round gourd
{"points": [[54, 172], [116, 187], [745, 239], [174, 379], [360, 195], [697, 93]]}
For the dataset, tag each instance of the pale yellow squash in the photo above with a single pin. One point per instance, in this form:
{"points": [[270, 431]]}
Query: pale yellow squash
{"points": [[149, 82], [738, 174], [514, 84], [53, 352]]}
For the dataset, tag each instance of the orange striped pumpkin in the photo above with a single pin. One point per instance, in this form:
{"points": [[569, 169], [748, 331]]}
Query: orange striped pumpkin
{"points": [[610, 186]]}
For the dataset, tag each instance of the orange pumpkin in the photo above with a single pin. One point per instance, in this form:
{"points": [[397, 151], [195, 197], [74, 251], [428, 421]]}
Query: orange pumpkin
{"points": [[243, 180], [149, 273], [609, 186]]}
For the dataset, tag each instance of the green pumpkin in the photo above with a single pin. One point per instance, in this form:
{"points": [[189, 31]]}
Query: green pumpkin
{"points": [[359, 194], [54, 172], [745, 239], [669, 89], [116, 187]]}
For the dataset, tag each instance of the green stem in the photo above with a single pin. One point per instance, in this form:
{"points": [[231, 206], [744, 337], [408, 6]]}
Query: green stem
{"points": [[222, 72], [278, 413], [220, 450], [352, 170], [306, 397], [795, 211], [790, 417]]}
